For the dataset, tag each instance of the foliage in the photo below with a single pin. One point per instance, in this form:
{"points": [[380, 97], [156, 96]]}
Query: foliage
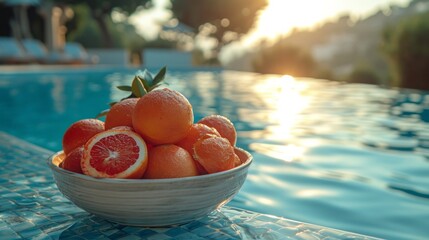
{"points": [[340, 46], [282, 58], [102, 7], [363, 75], [83, 29], [100, 11], [199, 59], [161, 43], [225, 15], [408, 50]]}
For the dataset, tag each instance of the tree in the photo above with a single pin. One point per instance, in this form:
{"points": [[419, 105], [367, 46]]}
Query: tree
{"points": [[282, 58], [407, 48], [224, 15], [101, 10], [364, 74]]}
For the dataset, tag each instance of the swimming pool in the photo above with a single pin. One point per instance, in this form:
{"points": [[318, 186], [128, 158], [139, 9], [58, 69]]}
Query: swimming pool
{"points": [[352, 157]]}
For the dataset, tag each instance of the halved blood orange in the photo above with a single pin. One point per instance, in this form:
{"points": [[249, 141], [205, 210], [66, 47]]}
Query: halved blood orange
{"points": [[115, 154]]}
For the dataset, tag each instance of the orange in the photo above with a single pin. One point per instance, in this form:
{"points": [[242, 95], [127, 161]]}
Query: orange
{"points": [[215, 154], [80, 132], [163, 116], [115, 154], [223, 125], [72, 161], [170, 161], [120, 114], [196, 131], [123, 128], [200, 169], [241, 157]]}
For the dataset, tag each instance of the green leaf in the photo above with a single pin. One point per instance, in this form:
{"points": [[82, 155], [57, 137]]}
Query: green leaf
{"points": [[138, 88], [103, 113], [112, 103], [155, 86], [146, 85], [124, 88], [129, 96], [146, 76], [159, 76]]}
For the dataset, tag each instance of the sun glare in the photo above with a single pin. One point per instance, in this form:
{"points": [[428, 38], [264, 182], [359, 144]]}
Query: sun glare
{"points": [[281, 16]]}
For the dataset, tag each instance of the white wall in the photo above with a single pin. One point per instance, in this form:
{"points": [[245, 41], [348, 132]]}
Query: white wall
{"points": [[155, 58], [117, 57]]}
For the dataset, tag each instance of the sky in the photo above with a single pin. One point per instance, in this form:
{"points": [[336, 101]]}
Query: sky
{"points": [[281, 16]]}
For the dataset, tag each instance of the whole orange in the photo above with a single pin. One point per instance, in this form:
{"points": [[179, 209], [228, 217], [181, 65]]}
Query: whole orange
{"points": [[120, 114], [196, 131], [163, 116], [80, 132], [170, 161], [223, 125], [215, 154], [72, 161]]}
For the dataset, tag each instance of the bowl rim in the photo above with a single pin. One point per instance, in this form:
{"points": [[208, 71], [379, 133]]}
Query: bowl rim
{"points": [[56, 168]]}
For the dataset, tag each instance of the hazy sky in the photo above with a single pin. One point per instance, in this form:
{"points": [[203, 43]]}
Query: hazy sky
{"points": [[283, 15]]}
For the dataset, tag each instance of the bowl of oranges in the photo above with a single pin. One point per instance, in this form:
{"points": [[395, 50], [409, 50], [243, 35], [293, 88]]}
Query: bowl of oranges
{"points": [[149, 163]]}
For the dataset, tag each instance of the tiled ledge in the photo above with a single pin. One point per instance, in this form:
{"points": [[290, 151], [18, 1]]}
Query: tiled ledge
{"points": [[31, 207]]}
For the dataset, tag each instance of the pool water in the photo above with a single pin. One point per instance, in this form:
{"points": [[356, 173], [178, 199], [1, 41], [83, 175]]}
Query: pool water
{"points": [[348, 156]]}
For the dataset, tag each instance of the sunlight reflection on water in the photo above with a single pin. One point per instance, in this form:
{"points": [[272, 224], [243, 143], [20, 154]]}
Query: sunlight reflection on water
{"points": [[352, 157]]}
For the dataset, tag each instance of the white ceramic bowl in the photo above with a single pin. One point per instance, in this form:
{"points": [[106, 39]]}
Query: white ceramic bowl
{"points": [[145, 202]]}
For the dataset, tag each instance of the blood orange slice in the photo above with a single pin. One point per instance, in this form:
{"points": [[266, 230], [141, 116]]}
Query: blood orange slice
{"points": [[115, 154]]}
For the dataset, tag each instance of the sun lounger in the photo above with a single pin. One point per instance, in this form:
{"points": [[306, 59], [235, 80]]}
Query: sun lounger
{"points": [[11, 52], [36, 50], [75, 53]]}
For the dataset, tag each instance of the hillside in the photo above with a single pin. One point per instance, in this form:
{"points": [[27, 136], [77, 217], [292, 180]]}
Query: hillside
{"points": [[343, 45], [339, 47]]}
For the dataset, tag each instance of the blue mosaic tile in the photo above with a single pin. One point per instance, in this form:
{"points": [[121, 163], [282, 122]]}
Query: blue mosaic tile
{"points": [[159, 237], [188, 236], [31, 207], [73, 237], [9, 234], [130, 237], [30, 232], [175, 232], [146, 233]]}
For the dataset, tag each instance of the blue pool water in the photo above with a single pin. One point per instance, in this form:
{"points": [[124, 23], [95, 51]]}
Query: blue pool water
{"points": [[351, 157]]}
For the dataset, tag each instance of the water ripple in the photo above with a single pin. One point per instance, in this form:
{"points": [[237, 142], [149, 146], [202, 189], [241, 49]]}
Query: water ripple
{"points": [[347, 156], [410, 191]]}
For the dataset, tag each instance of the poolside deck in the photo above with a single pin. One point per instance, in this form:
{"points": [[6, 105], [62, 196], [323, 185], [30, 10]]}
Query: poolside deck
{"points": [[32, 207]]}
